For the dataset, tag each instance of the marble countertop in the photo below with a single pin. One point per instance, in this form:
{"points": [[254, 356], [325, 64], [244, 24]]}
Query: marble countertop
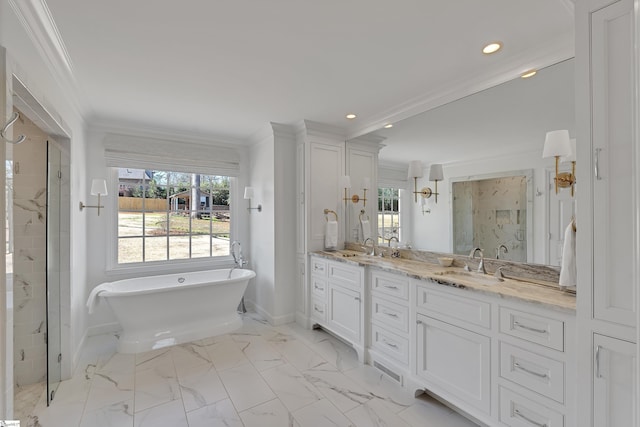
{"points": [[546, 294]]}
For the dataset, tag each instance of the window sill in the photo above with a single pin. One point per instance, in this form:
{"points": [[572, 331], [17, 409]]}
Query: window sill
{"points": [[168, 267]]}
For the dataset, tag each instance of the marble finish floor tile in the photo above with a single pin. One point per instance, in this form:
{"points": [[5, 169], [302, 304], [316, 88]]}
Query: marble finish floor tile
{"points": [[246, 387], [291, 387], [321, 414], [270, 414], [219, 414], [259, 375], [26, 398]]}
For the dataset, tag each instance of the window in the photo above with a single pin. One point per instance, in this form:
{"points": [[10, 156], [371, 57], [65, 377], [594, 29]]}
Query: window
{"points": [[165, 215], [388, 214]]}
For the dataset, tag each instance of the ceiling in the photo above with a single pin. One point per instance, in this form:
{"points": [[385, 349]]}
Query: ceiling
{"points": [[228, 68]]}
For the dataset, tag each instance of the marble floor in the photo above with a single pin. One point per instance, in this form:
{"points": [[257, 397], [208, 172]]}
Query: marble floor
{"points": [[257, 376]]}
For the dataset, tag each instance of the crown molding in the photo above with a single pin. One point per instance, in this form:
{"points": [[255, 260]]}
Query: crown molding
{"points": [[36, 19], [323, 130], [551, 52]]}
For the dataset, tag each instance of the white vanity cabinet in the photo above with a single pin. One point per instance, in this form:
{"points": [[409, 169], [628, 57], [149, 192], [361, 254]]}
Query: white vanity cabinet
{"points": [[390, 342], [337, 291], [452, 354]]}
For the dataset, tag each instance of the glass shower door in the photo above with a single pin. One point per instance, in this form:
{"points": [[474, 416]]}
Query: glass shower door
{"points": [[54, 254]]}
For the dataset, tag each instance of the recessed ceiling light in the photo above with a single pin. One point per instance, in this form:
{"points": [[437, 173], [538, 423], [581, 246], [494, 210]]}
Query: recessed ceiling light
{"points": [[388, 125], [529, 73], [492, 47], [351, 116]]}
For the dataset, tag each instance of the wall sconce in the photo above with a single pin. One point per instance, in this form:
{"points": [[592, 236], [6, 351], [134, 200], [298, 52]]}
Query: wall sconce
{"points": [[98, 188], [415, 172], [557, 144], [435, 174], [345, 182], [249, 193]]}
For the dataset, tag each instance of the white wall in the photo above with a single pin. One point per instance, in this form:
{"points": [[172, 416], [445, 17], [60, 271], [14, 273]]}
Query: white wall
{"points": [[432, 231], [24, 60]]}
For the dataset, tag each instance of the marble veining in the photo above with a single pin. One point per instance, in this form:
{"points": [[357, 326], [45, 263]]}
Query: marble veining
{"points": [[529, 290], [114, 390]]}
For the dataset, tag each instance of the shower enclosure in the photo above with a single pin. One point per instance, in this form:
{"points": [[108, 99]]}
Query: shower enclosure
{"points": [[38, 254]]}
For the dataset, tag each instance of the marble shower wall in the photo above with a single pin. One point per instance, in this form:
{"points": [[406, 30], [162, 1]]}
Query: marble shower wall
{"points": [[499, 216], [29, 253]]}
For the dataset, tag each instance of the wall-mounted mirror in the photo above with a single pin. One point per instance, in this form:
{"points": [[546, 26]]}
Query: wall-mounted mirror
{"points": [[490, 133]]}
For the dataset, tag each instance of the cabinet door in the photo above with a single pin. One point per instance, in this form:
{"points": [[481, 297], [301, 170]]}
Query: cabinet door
{"points": [[613, 234], [456, 360], [326, 166], [345, 312], [614, 392]]}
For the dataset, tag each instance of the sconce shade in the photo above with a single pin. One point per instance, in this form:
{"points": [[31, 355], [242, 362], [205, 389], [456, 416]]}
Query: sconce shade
{"points": [[366, 183], [345, 181], [99, 187], [248, 193], [557, 143], [435, 173], [415, 169], [571, 157]]}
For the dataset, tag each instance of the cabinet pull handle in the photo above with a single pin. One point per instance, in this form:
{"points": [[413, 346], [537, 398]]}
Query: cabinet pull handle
{"points": [[419, 322], [318, 310], [392, 345], [597, 163], [524, 417], [391, 287], [318, 287], [357, 299], [391, 314], [529, 328], [598, 347], [522, 368]]}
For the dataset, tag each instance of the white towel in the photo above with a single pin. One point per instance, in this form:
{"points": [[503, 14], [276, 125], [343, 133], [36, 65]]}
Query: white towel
{"points": [[366, 229], [92, 301], [568, 272], [331, 235]]}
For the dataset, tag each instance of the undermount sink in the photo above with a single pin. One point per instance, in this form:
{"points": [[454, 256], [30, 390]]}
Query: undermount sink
{"points": [[479, 278]]}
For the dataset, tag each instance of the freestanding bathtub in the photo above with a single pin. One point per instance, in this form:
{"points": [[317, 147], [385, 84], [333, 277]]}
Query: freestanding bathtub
{"points": [[159, 311]]}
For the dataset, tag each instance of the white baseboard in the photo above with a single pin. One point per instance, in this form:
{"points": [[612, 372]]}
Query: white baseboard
{"points": [[104, 328], [273, 320]]}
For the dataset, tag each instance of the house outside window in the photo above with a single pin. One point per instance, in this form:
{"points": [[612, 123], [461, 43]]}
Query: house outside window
{"points": [[166, 215], [388, 214]]}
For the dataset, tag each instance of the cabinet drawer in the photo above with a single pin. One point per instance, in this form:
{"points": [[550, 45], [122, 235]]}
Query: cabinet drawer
{"points": [[390, 284], [319, 287], [518, 411], [453, 307], [538, 373], [390, 344], [390, 314], [318, 267], [532, 327], [318, 309], [346, 275]]}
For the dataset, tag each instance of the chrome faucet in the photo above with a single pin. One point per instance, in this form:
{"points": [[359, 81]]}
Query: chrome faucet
{"points": [[395, 253], [506, 251], [373, 246], [472, 255], [499, 274]]}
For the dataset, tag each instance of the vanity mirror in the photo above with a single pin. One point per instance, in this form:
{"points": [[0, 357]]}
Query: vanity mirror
{"points": [[498, 132]]}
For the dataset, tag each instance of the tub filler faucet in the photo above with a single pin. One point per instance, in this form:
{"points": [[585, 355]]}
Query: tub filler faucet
{"points": [[239, 262]]}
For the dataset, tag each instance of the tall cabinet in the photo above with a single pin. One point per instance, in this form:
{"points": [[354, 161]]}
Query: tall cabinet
{"points": [[323, 157], [607, 208]]}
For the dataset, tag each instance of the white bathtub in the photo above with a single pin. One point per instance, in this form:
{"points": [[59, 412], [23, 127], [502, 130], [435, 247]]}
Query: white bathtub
{"points": [[159, 311]]}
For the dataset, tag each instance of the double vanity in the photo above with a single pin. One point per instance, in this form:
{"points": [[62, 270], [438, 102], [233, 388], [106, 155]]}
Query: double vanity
{"points": [[500, 349]]}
